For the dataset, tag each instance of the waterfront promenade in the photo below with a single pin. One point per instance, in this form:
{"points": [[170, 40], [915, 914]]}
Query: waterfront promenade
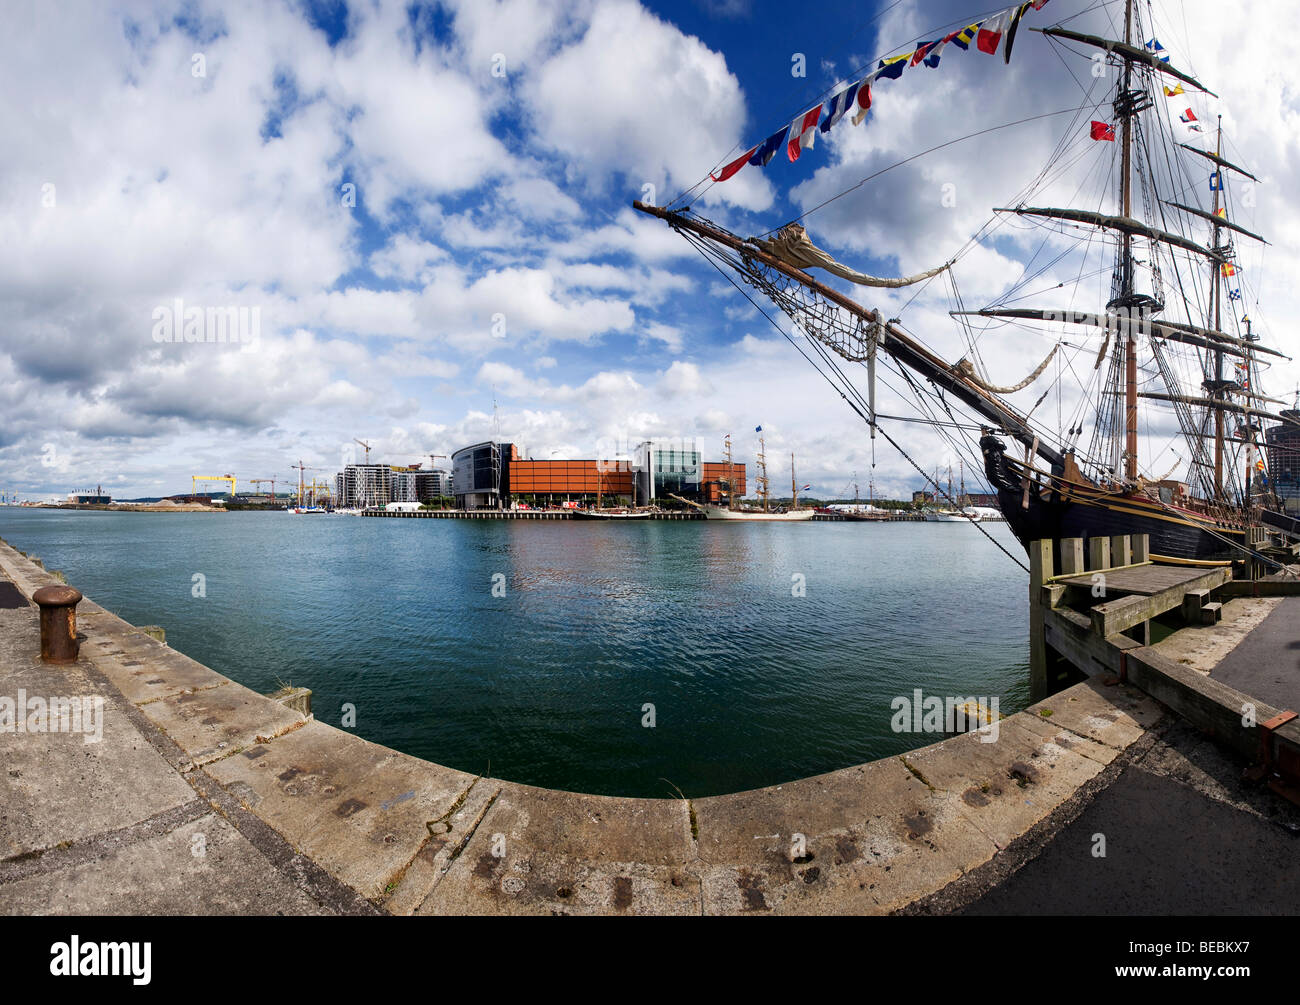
{"points": [[205, 797]]}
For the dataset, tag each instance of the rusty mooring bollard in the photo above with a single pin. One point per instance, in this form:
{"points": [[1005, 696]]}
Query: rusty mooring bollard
{"points": [[58, 606]]}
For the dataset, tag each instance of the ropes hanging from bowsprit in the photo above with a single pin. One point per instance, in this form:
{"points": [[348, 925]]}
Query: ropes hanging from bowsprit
{"points": [[792, 246], [967, 369]]}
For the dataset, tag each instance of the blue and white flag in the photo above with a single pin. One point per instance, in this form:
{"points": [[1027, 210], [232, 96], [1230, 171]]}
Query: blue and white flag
{"points": [[768, 148], [1158, 50], [838, 105], [758, 429], [1234, 295]]}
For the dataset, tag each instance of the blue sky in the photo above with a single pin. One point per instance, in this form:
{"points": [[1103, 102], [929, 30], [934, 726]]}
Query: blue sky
{"points": [[421, 235]]}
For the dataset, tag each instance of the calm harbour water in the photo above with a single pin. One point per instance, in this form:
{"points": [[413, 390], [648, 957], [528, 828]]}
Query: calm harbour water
{"points": [[546, 685]]}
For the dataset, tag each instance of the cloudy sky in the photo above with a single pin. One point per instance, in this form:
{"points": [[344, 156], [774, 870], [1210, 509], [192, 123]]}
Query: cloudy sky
{"points": [[428, 206]]}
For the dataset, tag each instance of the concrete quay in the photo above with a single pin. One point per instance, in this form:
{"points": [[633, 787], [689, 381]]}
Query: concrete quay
{"points": [[205, 797]]}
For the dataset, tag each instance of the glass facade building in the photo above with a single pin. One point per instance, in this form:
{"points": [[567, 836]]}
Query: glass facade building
{"points": [[667, 467]]}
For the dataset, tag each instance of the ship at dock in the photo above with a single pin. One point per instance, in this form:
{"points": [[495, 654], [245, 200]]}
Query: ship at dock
{"points": [[1162, 339], [764, 511]]}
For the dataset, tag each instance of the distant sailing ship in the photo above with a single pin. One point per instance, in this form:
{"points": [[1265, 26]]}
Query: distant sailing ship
{"points": [[715, 511], [1165, 260]]}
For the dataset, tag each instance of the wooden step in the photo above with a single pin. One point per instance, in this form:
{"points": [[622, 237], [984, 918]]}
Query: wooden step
{"points": [[1211, 613], [1193, 602]]}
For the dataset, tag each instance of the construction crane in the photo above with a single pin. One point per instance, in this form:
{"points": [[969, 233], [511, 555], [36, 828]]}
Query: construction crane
{"points": [[300, 467], [195, 479], [263, 481], [366, 445]]}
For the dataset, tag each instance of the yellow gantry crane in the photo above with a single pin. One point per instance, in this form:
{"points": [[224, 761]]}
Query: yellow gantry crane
{"points": [[195, 479]]}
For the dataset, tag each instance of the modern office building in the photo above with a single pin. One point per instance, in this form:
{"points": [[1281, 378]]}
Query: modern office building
{"points": [[481, 475], [722, 481], [552, 483], [494, 475], [1283, 448], [667, 467]]}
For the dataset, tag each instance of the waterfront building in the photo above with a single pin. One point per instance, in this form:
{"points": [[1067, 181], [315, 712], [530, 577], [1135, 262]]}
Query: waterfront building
{"points": [[481, 475], [667, 467], [494, 475], [554, 482], [432, 485], [361, 485], [404, 484], [722, 481], [1283, 448]]}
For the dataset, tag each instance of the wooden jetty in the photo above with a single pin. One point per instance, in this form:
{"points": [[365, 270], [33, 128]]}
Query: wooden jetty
{"points": [[1094, 620]]}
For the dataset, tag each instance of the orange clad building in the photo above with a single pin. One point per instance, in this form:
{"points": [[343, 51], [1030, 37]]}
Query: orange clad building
{"points": [[570, 478], [714, 481]]}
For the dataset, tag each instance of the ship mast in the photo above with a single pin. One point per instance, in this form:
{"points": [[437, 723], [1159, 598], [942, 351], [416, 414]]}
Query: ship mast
{"points": [[731, 472], [1218, 393], [794, 490], [762, 471], [1126, 106]]}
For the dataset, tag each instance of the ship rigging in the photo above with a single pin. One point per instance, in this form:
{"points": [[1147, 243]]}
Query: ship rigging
{"points": [[1165, 354]]}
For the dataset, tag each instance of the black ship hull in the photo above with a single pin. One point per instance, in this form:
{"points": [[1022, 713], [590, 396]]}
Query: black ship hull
{"points": [[1057, 511]]}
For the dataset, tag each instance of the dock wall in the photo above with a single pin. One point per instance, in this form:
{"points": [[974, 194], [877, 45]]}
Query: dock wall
{"points": [[299, 816]]}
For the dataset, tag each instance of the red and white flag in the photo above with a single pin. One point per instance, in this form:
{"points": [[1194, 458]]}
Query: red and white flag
{"points": [[803, 132], [864, 103], [1103, 131], [735, 165], [992, 30]]}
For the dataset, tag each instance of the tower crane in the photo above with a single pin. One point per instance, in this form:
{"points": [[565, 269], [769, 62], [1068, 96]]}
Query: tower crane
{"points": [[366, 445], [300, 467], [262, 481]]}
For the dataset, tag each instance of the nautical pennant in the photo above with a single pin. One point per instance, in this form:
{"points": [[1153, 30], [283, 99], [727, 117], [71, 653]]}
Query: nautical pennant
{"points": [[1216, 181], [1015, 24], [838, 105], [1228, 269], [803, 132], [932, 57], [1173, 92], [892, 68], [766, 150], [922, 51], [962, 39], [1103, 131], [864, 103], [992, 30], [1234, 295], [1222, 211], [1157, 50], [735, 165]]}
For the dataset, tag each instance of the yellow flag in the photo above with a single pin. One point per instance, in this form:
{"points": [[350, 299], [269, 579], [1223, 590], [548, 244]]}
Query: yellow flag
{"points": [[1174, 91]]}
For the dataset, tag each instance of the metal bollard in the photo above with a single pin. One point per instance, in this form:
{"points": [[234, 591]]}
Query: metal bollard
{"points": [[58, 606]]}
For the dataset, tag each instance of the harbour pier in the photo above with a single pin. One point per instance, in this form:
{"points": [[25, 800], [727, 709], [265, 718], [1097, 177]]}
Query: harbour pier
{"points": [[202, 796]]}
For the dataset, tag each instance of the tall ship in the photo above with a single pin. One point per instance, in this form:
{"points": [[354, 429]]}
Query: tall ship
{"points": [[1137, 292], [764, 511]]}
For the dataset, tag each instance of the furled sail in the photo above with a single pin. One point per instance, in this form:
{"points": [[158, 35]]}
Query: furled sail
{"points": [[793, 247], [967, 369]]}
